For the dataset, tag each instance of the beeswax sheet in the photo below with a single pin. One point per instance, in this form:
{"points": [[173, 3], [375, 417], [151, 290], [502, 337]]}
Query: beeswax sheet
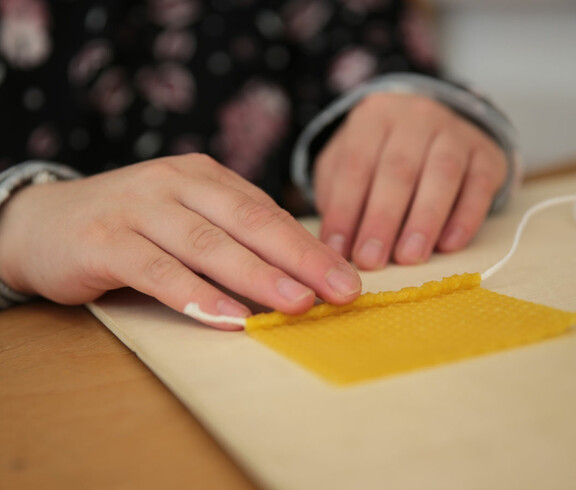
{"points": [[500, 421]]}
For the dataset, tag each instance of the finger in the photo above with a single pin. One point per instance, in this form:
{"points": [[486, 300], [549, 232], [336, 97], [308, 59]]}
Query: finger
{"points": [[142, 265], [278, 239], [209, 250], [484, 177], [220, 174], [391, 192], [324, 170], [350, 174], [436, 193]]}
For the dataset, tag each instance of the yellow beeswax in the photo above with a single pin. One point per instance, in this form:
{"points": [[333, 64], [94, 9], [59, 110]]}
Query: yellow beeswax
{"points": [[386, 333]]}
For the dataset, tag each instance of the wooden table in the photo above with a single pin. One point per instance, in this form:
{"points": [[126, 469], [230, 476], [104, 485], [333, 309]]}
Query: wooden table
{"points": [[79, 410]]}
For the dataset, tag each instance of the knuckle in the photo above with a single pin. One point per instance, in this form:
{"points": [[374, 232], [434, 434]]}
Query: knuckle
{"points": [[357, 166], [255, 273], [470, 216], [385, 221], [379, 106], [429, 219], [100, 232], [254, 216], [449, 165], [500, 166], [161, 269], [486, 181], [374, 102], [206, 238], [426, 107], [467, 223], [481, 138], [164, 167], [484, 185], [402, 168], [174, 167], [305, 255], [98, 239], [206, 161], [382, 219], [157, 171], [495, 157]]}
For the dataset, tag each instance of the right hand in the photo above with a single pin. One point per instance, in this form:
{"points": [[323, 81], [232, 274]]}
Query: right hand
{"points": [[162, 227]]}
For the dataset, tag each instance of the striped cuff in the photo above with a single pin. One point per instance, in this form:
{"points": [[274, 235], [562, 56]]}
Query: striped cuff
{"points": [[15, 178], [474, 107]]}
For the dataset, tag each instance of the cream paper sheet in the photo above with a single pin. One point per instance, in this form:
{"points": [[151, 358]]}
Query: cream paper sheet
{"points": [[502, 421]]}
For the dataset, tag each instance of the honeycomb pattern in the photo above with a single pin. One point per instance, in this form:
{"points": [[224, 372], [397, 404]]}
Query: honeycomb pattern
{"points": [[393, 332]]}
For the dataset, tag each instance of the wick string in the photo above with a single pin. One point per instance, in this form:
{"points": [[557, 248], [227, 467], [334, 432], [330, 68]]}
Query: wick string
{"points": [[554, 201]]}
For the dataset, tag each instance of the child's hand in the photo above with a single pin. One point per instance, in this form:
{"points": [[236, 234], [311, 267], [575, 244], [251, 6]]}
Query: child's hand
{"points": [[163, 227], [403, 175]]}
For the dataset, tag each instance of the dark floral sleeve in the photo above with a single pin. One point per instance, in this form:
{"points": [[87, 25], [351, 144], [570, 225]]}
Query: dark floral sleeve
{"points": [[330, 47], [101, 84], [342, 44], [349, 49]]}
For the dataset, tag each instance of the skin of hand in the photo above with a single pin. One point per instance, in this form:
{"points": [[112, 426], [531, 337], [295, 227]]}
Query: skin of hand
{"points": [[404, 175], [164, 227]]}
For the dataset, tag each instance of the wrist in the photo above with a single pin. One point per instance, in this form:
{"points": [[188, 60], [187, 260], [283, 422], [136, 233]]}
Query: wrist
{"points": [[16, 185], [14, 253]]}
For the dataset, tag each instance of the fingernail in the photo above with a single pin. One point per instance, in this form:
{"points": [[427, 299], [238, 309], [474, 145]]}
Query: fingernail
{"points": [[228, 307], [343, 280], [414, 247], [292, 290], [455, 238], [336, 241], [370, 254]]}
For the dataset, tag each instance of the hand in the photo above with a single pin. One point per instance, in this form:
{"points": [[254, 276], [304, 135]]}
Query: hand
{"points": [[163, 227], [401, 176]]}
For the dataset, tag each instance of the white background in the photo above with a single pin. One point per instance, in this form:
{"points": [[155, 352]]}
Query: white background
{"points": [[523, 54]]}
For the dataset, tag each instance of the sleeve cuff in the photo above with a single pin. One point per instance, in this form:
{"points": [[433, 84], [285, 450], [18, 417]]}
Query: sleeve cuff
{"points": [[30, 173], [468, 104]]}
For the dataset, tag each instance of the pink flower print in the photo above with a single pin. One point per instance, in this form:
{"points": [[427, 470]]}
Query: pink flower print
{"points": [[89, 60], [361, 6], [419, 37], [306, 18], [168, 87], [174, 45], [174, 14], [250, 126], [111, 93], [43, 142], [350, 68], [24, 38]]}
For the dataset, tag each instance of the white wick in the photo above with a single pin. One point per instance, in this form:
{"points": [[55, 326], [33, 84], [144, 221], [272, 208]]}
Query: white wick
{"points": [[554, 201], [193, 310]]}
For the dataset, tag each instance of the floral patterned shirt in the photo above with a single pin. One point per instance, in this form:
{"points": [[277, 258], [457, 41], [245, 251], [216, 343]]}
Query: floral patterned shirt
{"points": [[97, 84]]}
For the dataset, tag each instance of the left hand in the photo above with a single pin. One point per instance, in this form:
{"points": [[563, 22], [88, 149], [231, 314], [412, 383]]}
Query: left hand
{"points": [[402, 175]]}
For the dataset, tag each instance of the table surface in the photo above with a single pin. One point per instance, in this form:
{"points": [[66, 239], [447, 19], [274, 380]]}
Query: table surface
{"points": [[63, 379]]}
